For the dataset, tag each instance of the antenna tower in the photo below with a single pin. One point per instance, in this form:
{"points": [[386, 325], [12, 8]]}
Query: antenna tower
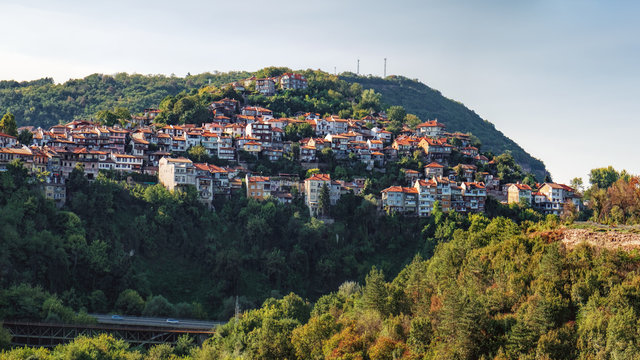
{"points": [[385, 67]]}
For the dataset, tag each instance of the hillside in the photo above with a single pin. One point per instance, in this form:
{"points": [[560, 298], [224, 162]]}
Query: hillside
{"points": [[428, 103], [44, 103]]}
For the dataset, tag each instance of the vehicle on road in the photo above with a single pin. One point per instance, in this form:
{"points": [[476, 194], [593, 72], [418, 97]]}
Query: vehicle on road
{"points": [[172, 321], [116, 317]]}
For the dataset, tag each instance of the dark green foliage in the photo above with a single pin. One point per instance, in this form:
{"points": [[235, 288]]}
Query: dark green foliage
{"points": [[25, 136], [43, 103], [129, 302], [111, 237], [159, 306]]}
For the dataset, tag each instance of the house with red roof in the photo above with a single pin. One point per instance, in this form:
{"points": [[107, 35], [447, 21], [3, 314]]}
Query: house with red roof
{"points": [[403, 200], [430, 128], [313, 187]]}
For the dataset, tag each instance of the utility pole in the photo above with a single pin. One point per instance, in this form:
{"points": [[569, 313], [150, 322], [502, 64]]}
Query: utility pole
{"points": [[358, 71], [335, 71], [385, 67]]}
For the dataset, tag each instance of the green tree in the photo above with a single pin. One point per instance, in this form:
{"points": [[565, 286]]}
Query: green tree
{"points": [[8, 124], [396, 113], [370, 101], [577, 184], [603, 177], [25, 136], [412, 121], [158, 306], [106, 117], [129, 302], [374, 294], [198, 153], [5, 338], [324, 200]]}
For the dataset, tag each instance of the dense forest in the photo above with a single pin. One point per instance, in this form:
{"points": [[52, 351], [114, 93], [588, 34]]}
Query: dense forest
{"points": [[44, 103], [111, 237], [495, 290]]}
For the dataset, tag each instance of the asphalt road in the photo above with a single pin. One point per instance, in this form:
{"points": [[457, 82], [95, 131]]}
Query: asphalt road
{"points": [[157, 322]]}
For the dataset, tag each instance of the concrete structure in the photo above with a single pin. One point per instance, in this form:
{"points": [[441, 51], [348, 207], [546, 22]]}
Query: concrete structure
{"points": [[176, 172]]}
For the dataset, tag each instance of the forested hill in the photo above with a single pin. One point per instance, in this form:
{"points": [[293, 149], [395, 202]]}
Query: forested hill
{"points": [[428, 103], [44, 103]]}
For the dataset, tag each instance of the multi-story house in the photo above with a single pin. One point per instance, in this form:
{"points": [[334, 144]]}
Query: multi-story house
{"points": [[139, 146], [225, 107], [261, 131], [435, 149], [475, 196], [258, 187], [307, 153], [289, 81], [551, 198], [443, 192], [433, 170], [431, 128], [54, 188], [400, 199], [117, 139], [126, 162], [375, 145], [178, 143], [518, 193], [378, 158], [8, 140], [227, 153], [381, 134], [193, 138], [175, 173], [235, 130], [313, 187], [204, 183], [266, 87], [339, 145], [210, 142], [466, 171], [427, 195]]}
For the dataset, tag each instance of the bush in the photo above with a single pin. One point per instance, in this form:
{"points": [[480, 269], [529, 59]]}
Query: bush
{"points": [[130, 302], [159, 306], [5, 338]]}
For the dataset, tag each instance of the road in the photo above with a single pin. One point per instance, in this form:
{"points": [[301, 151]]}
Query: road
{"points": [[157, 322]]}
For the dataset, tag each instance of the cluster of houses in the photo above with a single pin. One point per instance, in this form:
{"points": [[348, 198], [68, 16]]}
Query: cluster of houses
{"points": [[547, 198], [144, 147], [269, 86]]}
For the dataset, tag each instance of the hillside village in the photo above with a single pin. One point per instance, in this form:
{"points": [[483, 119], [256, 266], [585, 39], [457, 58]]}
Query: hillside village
{"points": [[457, 175]]}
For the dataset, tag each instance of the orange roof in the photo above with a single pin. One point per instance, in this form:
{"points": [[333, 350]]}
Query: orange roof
{"points": [[522, 186], [259, 179], [320, 177], [400, 189], [431, 123], [434, 165]]}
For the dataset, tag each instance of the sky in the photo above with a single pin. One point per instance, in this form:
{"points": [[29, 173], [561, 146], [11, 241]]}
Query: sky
{"points": [[561, 78]]}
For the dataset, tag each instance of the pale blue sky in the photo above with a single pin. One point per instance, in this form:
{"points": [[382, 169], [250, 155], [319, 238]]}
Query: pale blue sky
{"points": [[561, 78]]}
